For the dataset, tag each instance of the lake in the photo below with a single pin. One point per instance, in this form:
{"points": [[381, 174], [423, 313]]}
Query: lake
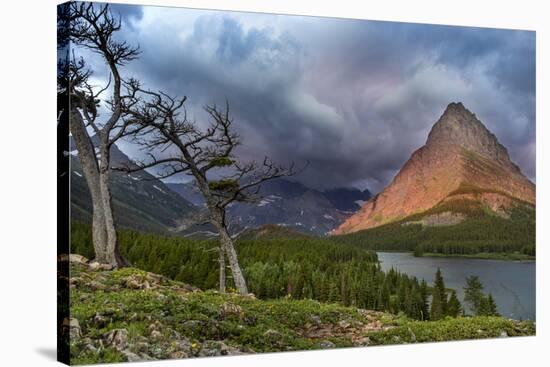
{"points": [[512, 283]]}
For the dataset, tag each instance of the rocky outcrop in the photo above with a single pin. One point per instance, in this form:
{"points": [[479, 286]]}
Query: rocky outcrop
{"points": [[439, 219], [460, 155]]}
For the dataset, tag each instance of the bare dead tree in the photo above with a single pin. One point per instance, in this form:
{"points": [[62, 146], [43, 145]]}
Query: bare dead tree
{"points": [[92, 27], [162, 123]]}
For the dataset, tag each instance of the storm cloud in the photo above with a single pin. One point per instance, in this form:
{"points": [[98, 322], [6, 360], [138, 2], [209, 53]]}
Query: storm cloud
{"points": [[354, 98]]}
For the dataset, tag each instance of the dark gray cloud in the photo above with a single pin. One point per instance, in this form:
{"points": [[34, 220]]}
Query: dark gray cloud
{"points": [[354, 98], [129, 13]]}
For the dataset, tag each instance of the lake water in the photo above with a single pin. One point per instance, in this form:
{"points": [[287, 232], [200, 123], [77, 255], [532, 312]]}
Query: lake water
{"points": [[512, 283]]}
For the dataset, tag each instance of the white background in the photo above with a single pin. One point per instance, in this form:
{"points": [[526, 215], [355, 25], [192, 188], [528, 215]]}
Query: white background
{"points": [[28, 182]]}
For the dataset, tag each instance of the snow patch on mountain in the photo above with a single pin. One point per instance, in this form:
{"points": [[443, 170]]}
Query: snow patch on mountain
{"points": [[159, 189]]}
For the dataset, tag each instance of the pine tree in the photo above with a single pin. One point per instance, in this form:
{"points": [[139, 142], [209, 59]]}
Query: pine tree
{"points": [[439, 287], [491, 306], [436, 309], [473, 294], [483, 309], [334, 293], [454, 307], [425, 310]]}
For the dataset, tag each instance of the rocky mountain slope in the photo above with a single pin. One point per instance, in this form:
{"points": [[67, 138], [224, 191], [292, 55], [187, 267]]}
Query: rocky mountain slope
{"points": [[287, 203], [462, 161], [132, 315], [140, 200], [145, 203]]}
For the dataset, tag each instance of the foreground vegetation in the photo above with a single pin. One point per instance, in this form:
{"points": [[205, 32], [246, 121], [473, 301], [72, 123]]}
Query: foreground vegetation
{"points": [[131, 315]]}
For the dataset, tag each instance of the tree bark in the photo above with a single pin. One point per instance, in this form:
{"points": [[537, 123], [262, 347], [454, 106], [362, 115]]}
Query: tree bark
{"points": [[103, 228], [228, 247], [222, 270], [90, 170], [112, 251]]}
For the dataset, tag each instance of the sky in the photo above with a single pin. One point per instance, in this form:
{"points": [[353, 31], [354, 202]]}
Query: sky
{"points": [[354, 98]]}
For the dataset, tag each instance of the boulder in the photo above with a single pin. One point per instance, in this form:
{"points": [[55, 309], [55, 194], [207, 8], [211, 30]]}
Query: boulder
{"points": [[230, 309], [326, 344], [156, 335], [117, 338], [178, 355], [141, 346], [96, 266], [97, 286], [131, 357], [100, 320], [361, 341], [134, 282], [316, 319], [74, 328], [344, 324], [78, 259], [272, 334]]}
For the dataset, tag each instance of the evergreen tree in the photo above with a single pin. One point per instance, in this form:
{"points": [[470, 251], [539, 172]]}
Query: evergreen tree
{"points": [[454, 308], [334, 293], [439, 287], [491, 306], [473, 294], [424, 307], [436, 309], [483, 309]]}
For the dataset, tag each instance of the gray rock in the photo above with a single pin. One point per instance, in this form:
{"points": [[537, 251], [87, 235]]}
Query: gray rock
{"points": [[131, 357], [344, 324], [272, 334], [100, 320], [96, 285], [362, 342], [211, 348], [156, 335], [95, 266], [74, 329], [117, 338], [79, 259], [87, 345], [141, 346], [183, 345], [315, 319], [230, 309], [178, 355], [326, 344]]}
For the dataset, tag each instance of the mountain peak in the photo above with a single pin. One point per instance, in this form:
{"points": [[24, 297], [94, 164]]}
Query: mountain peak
{"points": [[455, 125], [460, 153], [459, 126]]}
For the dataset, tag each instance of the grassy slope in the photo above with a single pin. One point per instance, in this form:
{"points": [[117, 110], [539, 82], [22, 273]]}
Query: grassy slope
{"points": [[166, 319]]}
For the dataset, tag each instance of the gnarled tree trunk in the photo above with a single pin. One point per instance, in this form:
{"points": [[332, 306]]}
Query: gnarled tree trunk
{"points": [[228, 247], [104, 235], [112, 251]]}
